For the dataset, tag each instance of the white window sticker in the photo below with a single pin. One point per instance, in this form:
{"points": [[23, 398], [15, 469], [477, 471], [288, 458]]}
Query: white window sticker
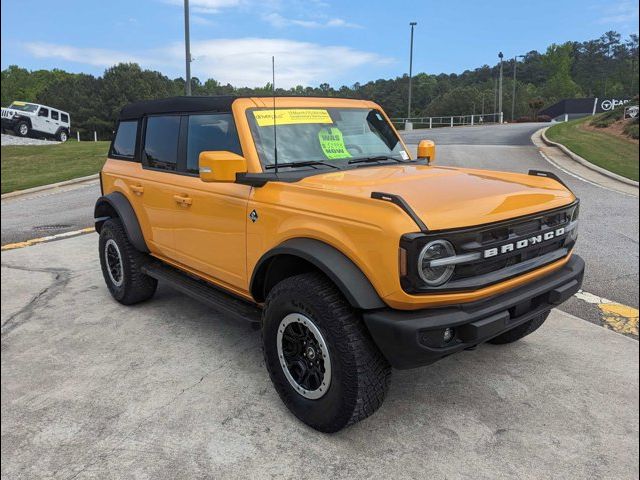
{"points": [[404, 155]]}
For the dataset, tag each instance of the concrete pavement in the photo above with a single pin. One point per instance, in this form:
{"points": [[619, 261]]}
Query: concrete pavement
{"points": [[171, 389]]}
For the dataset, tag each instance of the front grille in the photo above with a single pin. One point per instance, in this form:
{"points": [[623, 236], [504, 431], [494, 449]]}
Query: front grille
{"points": [[483, 269]]}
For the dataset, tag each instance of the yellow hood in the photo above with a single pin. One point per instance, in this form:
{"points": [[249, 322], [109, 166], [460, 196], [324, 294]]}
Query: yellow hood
{"points": [[446, 197]]}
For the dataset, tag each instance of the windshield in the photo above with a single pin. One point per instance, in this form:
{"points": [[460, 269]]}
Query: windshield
{"points": [[24, 107], [327, 135]]}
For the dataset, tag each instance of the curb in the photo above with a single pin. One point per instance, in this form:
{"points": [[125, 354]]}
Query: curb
{"points": [[586, 163], [51, 186]]}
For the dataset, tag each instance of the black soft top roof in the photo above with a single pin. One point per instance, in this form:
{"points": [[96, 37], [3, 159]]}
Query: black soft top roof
{"points": [[217, 103], [221, 103]]}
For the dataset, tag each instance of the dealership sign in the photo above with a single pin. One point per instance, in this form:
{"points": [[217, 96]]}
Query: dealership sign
{"points": [[611, 103]]}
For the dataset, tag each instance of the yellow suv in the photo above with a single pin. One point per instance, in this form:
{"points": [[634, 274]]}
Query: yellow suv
{"points": [[311, 217]]}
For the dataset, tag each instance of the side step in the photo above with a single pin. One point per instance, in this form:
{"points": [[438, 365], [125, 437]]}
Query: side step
{"points": [[203, 292]]}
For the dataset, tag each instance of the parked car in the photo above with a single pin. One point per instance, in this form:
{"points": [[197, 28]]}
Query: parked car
{"points": [[310, 217], [31, 119]]}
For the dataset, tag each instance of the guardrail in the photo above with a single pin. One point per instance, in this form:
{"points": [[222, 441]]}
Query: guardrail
{"points": [[449, 121]]}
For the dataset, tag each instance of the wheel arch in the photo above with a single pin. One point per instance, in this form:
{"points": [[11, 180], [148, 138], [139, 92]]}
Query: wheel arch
{"points": [[301, 255], [116, 205]]}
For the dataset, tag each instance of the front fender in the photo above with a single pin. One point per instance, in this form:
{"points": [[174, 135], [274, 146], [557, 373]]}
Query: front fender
{"points": [[349, 279]]}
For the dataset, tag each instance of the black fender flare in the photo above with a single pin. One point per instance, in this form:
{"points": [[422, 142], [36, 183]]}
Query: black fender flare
{"points": [[115, 204], [345, 274]]}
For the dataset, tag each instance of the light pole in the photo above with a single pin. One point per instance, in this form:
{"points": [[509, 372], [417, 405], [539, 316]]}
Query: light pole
{"points": [[500, 56], [412, 24], [187, 49], [513, 96]]}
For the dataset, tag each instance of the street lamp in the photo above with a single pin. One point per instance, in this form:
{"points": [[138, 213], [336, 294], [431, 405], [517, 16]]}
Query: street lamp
{"points": [[187, 49], [412, 24], [513, 97], [500, 56]]}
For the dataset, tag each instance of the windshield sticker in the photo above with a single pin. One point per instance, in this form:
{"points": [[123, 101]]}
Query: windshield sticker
{"points": [[404, 155], [264, 118], [332, 143]]}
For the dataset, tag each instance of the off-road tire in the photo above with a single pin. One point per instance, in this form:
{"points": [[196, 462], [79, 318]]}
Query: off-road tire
{"points": [[60, 137], [520, 331], [135, 286], [21, 132], [359, 373]]}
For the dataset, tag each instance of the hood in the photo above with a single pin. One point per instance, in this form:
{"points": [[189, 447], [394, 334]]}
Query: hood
{"points": [[445, 197]]}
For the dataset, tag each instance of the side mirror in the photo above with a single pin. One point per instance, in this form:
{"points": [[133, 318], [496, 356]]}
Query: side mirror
{"points": [[427, 149], [221, 166]]}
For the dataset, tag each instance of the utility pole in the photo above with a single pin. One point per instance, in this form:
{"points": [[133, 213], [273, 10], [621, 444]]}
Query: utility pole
{"points": [[495, 96], [500, 56], [513, 96], [412, 24], [187, 49]]}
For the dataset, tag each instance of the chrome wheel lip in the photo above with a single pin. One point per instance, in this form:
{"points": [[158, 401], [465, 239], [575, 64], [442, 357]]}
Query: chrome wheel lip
{"points": [[326, 380], [112, 244]]}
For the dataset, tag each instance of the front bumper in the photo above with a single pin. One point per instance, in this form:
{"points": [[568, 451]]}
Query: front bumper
{"points": [[411, 339], [8, 123]]}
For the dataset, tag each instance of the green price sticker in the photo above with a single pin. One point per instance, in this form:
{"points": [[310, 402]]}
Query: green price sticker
{"points": [[332, 143]]}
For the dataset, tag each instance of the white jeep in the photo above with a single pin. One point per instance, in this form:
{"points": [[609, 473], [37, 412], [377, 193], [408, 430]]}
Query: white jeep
{"points": [[31, 119]]}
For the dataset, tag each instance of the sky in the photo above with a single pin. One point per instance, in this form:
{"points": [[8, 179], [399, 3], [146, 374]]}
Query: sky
{"points": [[314, 41]]}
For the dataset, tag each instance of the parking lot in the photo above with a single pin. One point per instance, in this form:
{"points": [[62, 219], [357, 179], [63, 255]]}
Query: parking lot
{"points": [[170, 389]]}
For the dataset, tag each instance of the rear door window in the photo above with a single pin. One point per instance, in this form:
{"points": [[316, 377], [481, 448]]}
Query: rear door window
{"points": [[161, 142], [64, 117], [55, 115], [124, 143], [211, 132]]}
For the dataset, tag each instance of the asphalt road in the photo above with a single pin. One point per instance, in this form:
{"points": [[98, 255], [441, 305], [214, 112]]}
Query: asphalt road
{"points": [[609, 225], [169, 389]]}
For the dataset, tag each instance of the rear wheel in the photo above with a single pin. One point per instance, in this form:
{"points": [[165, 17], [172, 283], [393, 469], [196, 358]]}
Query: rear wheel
{"points": [[319, 355], [62, 135], [122, 265], [22, 129], [520, 331]]}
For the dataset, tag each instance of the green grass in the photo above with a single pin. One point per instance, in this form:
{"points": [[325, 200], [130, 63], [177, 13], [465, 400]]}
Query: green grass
{"points": [[603, 149], [26, 166]]}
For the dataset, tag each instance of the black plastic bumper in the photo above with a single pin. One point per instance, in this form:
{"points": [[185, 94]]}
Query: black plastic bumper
{"points": [[8, 123], [410, 339]]}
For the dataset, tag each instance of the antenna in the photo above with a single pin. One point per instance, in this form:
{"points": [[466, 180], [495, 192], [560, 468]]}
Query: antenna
{"points": [[275, 135]]}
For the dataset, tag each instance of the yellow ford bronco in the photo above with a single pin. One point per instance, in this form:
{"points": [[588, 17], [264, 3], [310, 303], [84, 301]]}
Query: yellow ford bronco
{"points": [[311, 217]]}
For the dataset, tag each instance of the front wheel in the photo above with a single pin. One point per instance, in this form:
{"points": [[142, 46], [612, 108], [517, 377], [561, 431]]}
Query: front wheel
{"points": [[22, 129], [320, 357]]}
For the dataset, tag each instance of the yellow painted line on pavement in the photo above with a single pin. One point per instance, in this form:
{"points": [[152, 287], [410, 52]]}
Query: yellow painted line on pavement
{"points": [[35, 241], [616, 316]]}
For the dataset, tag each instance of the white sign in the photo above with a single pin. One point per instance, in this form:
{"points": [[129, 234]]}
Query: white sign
{"points": [[631, 112]]}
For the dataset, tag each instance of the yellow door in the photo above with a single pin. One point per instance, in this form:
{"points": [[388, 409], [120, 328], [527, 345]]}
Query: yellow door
{"points": [[210, 229], [211, 218]]}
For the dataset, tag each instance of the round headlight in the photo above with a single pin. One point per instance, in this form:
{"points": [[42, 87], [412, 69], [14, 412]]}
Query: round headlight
{"points": [[435, 276]]}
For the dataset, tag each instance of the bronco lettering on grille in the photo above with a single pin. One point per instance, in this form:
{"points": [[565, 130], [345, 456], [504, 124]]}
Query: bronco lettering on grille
{"points": [[524, 243]]}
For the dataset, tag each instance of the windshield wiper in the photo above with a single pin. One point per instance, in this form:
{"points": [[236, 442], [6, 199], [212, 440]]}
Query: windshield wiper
{"points": [[310, 163], [377, 158]]}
